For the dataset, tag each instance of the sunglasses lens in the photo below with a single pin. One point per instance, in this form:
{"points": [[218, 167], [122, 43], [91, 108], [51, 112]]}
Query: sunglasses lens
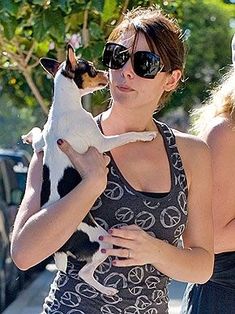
{"points": [[146, 64], [115, 56]]}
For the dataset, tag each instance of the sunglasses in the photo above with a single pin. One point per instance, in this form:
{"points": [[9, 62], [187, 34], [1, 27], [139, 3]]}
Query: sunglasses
{"points": [[145, 64]]}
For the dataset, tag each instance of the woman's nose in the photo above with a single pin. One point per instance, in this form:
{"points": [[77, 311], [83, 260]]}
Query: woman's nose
{"points": [[127, 70]]}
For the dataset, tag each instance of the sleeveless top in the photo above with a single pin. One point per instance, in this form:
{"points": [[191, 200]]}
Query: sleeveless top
{"points": [[217, 295], [142, 289], [224, 270]]}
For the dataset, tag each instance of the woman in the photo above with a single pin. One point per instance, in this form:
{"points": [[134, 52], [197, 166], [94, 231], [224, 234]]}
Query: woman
{"points": [[151, 193], [215, 124]]}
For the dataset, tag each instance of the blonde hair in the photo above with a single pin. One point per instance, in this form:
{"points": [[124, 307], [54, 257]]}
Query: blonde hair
{"points": [[221, 101]]}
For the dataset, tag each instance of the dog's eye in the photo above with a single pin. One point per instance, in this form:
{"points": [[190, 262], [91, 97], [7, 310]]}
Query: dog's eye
{"points": [[82, 66]]}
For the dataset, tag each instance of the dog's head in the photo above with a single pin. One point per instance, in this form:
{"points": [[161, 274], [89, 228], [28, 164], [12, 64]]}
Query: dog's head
{"points": [[82, 72]]}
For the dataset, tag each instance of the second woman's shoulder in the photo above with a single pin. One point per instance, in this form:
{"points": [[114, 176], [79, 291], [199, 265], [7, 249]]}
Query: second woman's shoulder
{"points": [[220, 132], [189, 143]]}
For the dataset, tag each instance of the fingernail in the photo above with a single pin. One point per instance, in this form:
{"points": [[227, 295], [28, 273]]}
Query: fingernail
{"points": [[110, 231], [101, 238], [103, 251], [60, 141]]}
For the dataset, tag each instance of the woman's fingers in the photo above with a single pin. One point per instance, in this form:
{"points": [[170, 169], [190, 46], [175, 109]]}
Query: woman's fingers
{"points": [[67, 149], [91, 165]]}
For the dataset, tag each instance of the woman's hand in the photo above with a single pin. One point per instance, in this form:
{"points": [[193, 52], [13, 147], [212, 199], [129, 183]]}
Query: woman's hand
{"points": [[134, 246], [92, 166]]}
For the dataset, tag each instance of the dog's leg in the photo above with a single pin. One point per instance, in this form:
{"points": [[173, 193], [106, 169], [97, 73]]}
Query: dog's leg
{"points": [[110, 142], [87, 274], [34, 137], [61, 259]]}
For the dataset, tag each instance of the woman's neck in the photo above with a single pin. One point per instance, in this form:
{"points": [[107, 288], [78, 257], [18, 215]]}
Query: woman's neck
{"points": [[116, 121]]}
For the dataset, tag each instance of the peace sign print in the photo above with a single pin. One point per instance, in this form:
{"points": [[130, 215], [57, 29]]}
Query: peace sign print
{"points": [[136, 275], [182, 181], [110, 309], [149, 268], [86, 290], [113, 172], [152, 282], [74, 273], [75, 312], [55, 305], [145, 220], [113, 191], [131, 310], [170, 138], [105, 266], [124, 214], [179, 231], [142, 302], [70, 299], [151, 204], [111, 299], [116, 280], [182, 201], [151, 311], [97, 204], [176, 161], [170, 217], [62, 280], [159, 296], [102, 223], [136, 290]]}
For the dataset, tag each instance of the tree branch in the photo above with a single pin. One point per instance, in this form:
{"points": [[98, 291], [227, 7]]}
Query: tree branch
{"points": [[34, 89], [124, 8]]}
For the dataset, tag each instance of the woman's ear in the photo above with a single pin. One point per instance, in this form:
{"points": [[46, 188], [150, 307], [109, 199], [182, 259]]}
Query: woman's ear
{"points": [[172, 80]]}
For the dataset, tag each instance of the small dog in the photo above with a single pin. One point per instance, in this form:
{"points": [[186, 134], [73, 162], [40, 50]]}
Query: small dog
{"points": [[68, 120]]}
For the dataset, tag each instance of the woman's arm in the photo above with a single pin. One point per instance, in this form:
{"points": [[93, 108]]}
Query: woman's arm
{"points": [[194, 262], [39, 232], [221, 139]]}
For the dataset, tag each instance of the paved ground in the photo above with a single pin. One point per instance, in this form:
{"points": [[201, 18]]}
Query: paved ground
{"points": [[30, 300]]}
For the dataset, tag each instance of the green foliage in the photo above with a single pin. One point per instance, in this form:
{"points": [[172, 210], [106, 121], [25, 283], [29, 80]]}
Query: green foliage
{"points": [[36, 28]]}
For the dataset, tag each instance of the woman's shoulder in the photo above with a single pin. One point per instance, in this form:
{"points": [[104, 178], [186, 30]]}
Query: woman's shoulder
{"points": [[189, 142], [221, 130], [220, 137]]}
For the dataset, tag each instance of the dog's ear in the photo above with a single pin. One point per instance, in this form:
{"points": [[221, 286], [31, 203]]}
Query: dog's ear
{"points": [[71, 60], [50, 65]]}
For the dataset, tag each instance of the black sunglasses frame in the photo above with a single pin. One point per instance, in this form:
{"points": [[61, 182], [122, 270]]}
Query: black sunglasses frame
{"points": [[146, 64]]}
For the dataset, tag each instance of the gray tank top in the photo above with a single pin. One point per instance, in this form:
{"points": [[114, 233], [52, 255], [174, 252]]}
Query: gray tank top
{"points": [[142, 289]]}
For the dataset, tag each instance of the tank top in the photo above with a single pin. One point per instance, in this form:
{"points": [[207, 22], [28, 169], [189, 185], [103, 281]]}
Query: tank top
{"points": [[142, 289]]}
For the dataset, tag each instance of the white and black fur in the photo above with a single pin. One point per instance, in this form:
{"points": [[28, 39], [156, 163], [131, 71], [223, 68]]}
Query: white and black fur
{"points": [[68, 120]]}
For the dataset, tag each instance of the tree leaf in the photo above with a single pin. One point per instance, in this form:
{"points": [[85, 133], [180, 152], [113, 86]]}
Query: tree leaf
{"points": [[98, 5], [9, 24], [39, 31], [109, 9], [9, 6], [95, 30]]}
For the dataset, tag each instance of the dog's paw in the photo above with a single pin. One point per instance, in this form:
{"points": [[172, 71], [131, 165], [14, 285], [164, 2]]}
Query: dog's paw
{"points": [[109, 291], [149, 136], [27, 138]]}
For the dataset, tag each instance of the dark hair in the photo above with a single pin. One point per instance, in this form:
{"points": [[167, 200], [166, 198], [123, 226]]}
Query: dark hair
{"points": [[162, 34]]}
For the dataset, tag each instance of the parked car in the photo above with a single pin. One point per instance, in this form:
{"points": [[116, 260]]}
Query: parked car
{"points": [[19, 162], [21, 159], [10, 197], [4, 249]]}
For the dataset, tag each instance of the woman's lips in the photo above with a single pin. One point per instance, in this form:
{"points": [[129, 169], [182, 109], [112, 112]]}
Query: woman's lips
{"points": [[124, 88]]}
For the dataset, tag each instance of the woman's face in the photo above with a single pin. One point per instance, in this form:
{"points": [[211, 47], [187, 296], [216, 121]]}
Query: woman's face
{"points": [[130, 90]]}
